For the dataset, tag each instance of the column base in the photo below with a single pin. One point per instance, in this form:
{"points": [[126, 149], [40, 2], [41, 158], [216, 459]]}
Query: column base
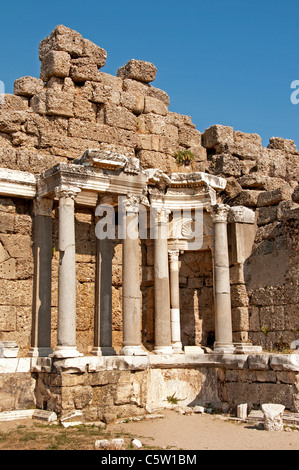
{"points": [[177, 347], [103, 351], [40, 351], [163, 350], [223, 348], [133, 351], [63, 352]]}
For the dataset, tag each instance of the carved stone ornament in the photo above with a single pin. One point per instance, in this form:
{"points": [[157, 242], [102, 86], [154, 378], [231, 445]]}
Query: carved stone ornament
{"points": [[131, 202], [173, 255], [66, 190], [43, 206], [220, 212]]}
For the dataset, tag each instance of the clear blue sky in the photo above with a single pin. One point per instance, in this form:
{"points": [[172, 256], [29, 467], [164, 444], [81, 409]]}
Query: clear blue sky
{"points": [[227, 62]]}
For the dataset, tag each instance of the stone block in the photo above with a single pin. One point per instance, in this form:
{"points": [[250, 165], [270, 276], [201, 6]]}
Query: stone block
{"points": [[8, 269], [242, 411], [153, 105], [94, 52], [6, 222], [11, 121], [148, 142], [3, 254], [84, 69], [120, 117], [28, 86], [247, 197], [83, 108], [226, 165], [240, 319], [266, 215], [272, 198], [247, 146], [285, 362], [239, 296], [218, 137], [151, 124], [138, 70], [55, 64], [295, 195], [38, 103], [134, 103], [18, 246], [14, 103], [287, 210], [62, 39], [8, 318], [59, 103], [158, 94], [286, 145]]}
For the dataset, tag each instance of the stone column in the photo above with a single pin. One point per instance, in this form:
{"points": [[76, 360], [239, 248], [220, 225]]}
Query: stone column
{"points": [[131, 304], [175, 300], [223, 321], [41, 307], [162, 296], [103, 299], [66, 328]]}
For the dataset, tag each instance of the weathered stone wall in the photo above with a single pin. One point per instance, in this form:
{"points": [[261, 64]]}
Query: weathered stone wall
{"points": [[264, 283], [16, 270], [74, 106], [129, 386]]}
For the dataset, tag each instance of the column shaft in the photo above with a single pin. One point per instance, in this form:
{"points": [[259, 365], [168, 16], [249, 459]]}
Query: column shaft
{"points": [[162, 294], [41, 312], [103, 299], [131, 304], [66, 328], [223, 320], [175, 300]]}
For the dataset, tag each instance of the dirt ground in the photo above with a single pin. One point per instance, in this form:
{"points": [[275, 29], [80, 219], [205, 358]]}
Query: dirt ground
{"points": [[209, 432], [173, 432]]}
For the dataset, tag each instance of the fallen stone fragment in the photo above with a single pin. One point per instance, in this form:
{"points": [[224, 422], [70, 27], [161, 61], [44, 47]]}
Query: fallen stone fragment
{"points": [[109, 418], [242, 411], [105, 444], [136, 444], [101, 444], [72, 419], [199, 409], [273, 416]]}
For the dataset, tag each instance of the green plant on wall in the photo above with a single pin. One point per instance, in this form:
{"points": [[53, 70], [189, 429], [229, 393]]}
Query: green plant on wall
{"points": [[265, 330], [184, 157]]}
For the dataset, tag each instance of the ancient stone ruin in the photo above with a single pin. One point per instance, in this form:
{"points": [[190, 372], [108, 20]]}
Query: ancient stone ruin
{"points": [[200, 303]]}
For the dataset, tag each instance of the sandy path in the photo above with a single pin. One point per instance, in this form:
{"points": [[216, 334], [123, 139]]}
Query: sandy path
{"points": [[207, 432]]}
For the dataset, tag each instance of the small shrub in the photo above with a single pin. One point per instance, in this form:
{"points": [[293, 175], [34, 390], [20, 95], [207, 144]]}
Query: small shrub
{"points": [[184, 157]]}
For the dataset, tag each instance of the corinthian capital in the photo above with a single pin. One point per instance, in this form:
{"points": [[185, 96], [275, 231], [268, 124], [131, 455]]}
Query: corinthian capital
{"points": [[220, 212], [131, 203], [67, 190]]}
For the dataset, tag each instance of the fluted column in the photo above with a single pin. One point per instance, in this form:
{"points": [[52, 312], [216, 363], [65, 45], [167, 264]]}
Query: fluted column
{"points": [[175, 300], [41, 308], [131, 303], [223, 320], [162, 294], [66, 328]]}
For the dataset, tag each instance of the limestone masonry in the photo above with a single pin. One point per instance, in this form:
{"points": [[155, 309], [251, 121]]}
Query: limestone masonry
{"points": [[105, 325]]}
